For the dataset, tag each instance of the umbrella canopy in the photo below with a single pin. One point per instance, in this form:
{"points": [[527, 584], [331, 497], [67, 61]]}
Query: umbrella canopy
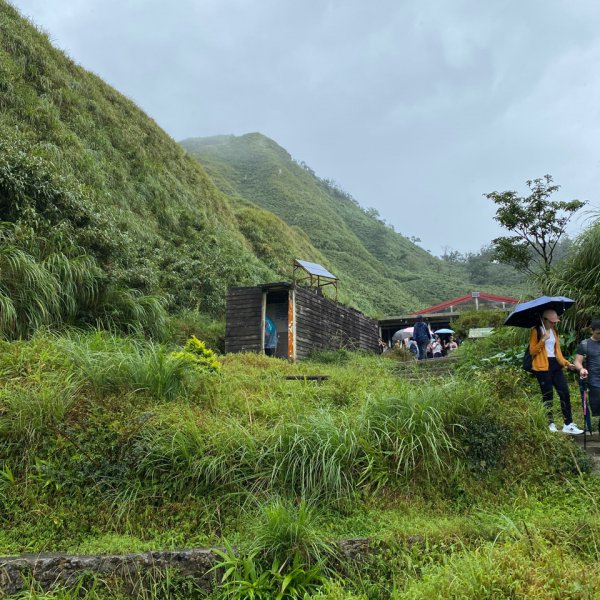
{"points": [[529, 314], [402, 334], [444, 330]]}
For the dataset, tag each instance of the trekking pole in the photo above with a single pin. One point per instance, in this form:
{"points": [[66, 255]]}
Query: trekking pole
{"points": [[584, 386]]}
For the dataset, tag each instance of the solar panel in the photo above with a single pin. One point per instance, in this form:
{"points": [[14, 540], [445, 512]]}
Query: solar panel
{"points": [[315, 269]]}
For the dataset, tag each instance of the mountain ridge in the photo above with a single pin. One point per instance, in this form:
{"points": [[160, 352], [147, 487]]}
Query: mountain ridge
{"points": [[391, 273]]}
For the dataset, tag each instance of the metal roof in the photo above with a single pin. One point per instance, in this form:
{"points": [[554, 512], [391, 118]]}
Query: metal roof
{"points": [[462, 299]]}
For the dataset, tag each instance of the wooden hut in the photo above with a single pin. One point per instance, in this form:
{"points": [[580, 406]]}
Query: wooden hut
{"points": [[306, 321]]}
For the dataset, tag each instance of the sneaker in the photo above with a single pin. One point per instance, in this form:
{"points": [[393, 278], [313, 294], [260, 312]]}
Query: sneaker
{"points": [[552, 427], [572, 429]]}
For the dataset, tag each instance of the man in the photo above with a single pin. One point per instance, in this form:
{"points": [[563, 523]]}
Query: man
{"points": [[589, 350], [422, 336], [547, 365]]}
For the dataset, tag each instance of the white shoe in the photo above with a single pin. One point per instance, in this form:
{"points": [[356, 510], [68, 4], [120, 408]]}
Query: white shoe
{"points": [[552, 427], [572, 429]]}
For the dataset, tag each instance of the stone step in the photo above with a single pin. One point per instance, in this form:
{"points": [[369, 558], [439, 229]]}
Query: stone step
{"points": [[591, 443]]}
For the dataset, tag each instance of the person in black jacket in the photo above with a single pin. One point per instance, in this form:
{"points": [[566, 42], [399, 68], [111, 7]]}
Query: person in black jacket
{"points": [[422, 336]]}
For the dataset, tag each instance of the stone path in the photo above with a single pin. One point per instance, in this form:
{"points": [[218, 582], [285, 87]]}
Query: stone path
{"points": [[419, 370], [592, 447]]}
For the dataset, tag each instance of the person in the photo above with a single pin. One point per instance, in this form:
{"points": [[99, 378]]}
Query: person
{"points": [[547, 365], [452, 345], [382, 346], [436, 347], [271, 337], [422, 336], [412, 346], [589, 349]]}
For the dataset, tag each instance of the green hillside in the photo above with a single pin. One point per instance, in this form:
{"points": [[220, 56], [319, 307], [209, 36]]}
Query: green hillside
{"points": [[96, 198], [106, 220], [381, 270]]}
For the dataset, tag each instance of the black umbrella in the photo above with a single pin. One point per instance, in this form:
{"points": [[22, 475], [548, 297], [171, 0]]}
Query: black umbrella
{"points": [[529, 314]]}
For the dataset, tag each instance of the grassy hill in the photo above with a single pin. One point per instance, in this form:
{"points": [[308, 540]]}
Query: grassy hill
{"points": [[385, 271], [91, 185], [105, 219]]}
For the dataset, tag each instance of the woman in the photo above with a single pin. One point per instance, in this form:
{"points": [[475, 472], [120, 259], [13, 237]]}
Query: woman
{"points": [[436, 347], [547, 364]]}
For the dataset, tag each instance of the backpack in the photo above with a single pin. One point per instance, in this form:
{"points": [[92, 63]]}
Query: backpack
{"points": [[528, 360], [421, 332]]}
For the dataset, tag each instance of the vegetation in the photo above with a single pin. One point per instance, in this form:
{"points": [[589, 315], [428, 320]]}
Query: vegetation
{"points": [[138, 450], [381, 271], [578, 279], [123, 427], [477, 318], [537, 222], [106, 219]]}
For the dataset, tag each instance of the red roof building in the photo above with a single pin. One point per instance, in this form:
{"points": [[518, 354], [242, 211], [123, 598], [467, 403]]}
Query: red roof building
{"points": [[473, 301]]}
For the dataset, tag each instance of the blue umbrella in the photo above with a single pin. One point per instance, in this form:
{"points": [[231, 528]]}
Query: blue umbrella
{"points": [[445, 330], [529, 314]]}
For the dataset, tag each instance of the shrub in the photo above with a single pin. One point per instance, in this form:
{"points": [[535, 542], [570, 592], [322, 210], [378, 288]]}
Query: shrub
{"points": [[198, 355], [483, 440], [478, 318], [186, 323]]}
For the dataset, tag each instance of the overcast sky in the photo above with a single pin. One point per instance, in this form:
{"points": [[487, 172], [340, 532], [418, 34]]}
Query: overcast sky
{"points": [[416, 108]]}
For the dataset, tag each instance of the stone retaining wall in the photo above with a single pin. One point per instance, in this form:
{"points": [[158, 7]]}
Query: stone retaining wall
{"points": [[48, 570]]}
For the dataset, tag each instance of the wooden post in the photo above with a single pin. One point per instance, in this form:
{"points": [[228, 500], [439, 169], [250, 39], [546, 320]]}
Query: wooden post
{"points": [[263, 319], [292, 325]]}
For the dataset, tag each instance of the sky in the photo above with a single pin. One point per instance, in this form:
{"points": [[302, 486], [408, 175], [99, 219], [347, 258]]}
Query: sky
{"points": [[417, 108]]}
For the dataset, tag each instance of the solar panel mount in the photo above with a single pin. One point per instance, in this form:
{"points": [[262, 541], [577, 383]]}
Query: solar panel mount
{"points": [[314, 273]]}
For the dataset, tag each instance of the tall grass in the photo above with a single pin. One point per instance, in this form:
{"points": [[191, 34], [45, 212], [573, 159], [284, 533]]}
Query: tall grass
{"points": [[111, 364], [30, 411], [578, 277], [50, 282], [407, 435], [285, 529], [185, 455], [318, 457]]}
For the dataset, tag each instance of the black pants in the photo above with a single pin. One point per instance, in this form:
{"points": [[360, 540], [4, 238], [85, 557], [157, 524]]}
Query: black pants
{"points": [[555, 378]]}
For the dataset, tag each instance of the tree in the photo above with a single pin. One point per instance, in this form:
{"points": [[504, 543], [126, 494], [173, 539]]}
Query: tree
{"points": [[537, 223]]}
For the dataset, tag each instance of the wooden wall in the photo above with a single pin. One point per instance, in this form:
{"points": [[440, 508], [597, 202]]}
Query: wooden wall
{"points": [[243, 320], [321, 323]]}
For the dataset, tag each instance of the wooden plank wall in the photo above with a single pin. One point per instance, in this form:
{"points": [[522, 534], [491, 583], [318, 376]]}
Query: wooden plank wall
{"points": [[243, 320], [321, 323]]}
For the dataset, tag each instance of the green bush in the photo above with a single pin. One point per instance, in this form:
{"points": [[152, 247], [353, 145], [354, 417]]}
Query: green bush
{"points": [[198, 355], [476, 319]]}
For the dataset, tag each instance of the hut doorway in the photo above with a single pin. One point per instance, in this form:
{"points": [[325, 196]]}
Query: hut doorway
{"points": [[276, 307]]}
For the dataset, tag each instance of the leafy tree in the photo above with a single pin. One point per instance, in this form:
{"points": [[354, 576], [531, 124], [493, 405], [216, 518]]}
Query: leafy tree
{"points": [[537, 223]]}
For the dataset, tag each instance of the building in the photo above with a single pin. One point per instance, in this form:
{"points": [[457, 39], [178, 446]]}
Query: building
{"points": [[306, 321], [304, 318], [442, 314]]}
